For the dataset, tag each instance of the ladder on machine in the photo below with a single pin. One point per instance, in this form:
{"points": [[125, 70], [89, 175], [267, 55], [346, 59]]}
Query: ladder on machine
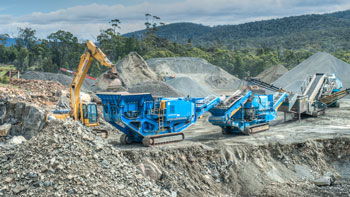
{"points": [[161, 113]]}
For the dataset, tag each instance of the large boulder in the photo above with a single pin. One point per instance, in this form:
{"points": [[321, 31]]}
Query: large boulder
{"points": [[4, 130], [24, 119], [150, 169], [17, 140], [33, 121]]}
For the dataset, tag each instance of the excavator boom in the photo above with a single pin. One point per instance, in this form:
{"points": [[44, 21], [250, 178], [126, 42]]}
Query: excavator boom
{"points": [[91, 52]]}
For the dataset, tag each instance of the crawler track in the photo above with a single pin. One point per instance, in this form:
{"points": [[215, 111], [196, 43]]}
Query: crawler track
{"points": [[157, 140]]}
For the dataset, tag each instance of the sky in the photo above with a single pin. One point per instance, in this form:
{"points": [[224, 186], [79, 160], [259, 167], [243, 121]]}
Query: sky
{"points": [[86, 18]]}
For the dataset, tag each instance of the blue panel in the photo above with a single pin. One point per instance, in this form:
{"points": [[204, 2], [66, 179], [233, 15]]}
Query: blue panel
{"points": [[257, 109], [139, 115]]}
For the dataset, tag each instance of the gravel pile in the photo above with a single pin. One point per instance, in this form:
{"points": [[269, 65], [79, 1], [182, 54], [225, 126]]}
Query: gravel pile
{"points": [[273, 73], [208, 76], [189, 87], [318, 63], [133, 70], [66, 159], [156, 88]]}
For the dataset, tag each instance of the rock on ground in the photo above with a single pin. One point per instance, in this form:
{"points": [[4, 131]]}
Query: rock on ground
{"points": [[4, 129], [17, 140], [67, 159], [25, 119]]}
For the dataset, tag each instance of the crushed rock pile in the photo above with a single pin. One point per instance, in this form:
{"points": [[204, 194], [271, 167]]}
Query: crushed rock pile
{"points": [[66, 159], [318, 63], [37, 92], [188, 87], [57, 77], [208, 76], [135, 76], [273, 73], [156, 88], [133, 70]]}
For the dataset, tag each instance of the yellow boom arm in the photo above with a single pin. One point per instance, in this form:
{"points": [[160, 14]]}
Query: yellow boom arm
{"points": [[91, 52]]}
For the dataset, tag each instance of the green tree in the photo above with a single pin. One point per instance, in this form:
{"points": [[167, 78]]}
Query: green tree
{"points": [[116, 25], [21, 62], [27, 36], [65, 48]]}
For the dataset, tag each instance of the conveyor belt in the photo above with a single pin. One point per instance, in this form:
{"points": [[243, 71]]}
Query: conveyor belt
{"points": [[231, 100], [314, 86], [265, 85]]}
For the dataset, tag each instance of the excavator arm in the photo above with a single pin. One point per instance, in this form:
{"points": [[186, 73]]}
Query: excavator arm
{"points": [[91, 52]]}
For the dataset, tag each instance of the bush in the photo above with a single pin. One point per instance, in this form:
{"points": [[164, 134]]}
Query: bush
{"points": [[4, 79]]}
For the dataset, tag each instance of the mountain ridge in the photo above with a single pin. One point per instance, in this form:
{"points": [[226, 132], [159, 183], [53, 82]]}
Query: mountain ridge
{"points": [[308, 29]]}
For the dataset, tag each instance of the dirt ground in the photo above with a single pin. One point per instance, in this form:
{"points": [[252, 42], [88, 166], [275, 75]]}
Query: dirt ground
{"points": [[283, 161]]}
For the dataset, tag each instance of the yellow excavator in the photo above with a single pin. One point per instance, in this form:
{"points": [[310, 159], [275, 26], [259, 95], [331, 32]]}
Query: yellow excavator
{"points": [[81, 110]]}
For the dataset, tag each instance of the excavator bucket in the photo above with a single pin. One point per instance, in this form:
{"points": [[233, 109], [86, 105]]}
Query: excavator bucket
{"points": [[114, 70]]}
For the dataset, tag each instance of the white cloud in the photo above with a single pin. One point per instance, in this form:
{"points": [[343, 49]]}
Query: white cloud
{"points": [[87, 21]]}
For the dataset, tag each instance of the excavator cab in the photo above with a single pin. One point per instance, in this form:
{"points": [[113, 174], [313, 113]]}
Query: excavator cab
{"points": [[88, 114]]}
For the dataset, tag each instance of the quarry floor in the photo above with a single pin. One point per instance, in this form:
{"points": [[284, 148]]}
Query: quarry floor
{"points": [[283, 161], [335, 123]]}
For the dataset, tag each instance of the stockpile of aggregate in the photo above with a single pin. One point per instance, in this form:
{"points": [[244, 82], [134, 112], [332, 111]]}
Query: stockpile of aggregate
{"points": [[273, 73], [318, 63], [156, 88], [188, 87], [133, 70], [208, 76], [135, 76]]}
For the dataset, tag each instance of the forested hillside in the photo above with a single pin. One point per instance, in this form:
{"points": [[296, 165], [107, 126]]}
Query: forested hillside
{"points": [[324, 32], [242, 50]]}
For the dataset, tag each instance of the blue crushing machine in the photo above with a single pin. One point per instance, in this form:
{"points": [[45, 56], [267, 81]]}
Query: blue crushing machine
{"points": [[144, 118], [245, 112], [318, 92]]}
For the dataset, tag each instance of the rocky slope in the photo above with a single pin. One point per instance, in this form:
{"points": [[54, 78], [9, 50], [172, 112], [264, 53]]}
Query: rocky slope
{"points": [[65, 158]]}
